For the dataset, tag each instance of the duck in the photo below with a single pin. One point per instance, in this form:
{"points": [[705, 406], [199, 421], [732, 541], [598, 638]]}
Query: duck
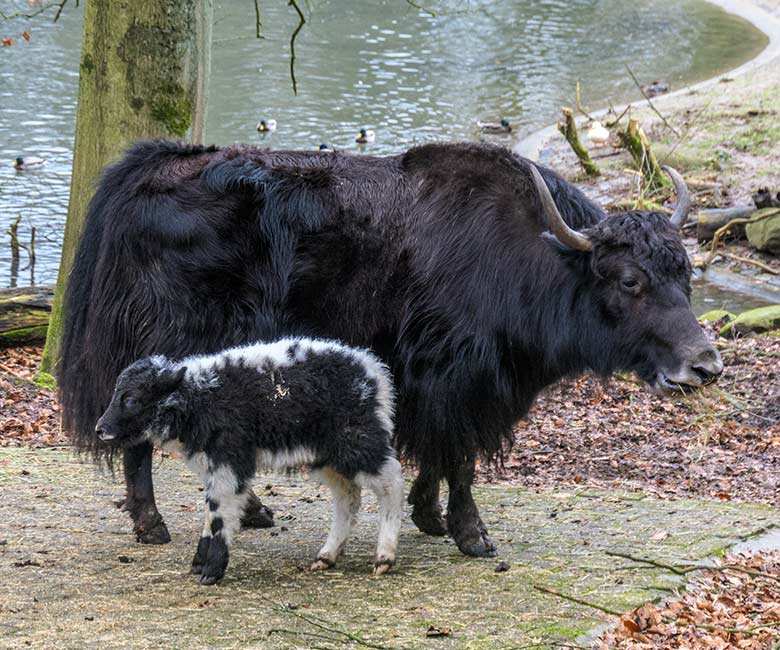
{"points": [[365, 135], [326, 148], [28, 162], [266, 125], [597, 134], [495, 127]]}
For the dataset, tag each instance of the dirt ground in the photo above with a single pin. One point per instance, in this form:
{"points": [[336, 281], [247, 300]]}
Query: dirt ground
{"points": [[76, 579]]}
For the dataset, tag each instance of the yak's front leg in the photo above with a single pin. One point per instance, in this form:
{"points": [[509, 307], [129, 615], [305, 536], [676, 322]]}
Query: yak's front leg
{"points": [[463, 520], [148, 524], [226, 498]]}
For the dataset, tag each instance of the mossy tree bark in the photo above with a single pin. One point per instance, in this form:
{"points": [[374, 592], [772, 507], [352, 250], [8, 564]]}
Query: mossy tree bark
{"points": [[144, 70], [568, 129], [634, 140]]}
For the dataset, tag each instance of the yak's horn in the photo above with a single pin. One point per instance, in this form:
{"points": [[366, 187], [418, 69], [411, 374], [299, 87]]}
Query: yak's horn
{"points": [[555, 222], [680, 214]]}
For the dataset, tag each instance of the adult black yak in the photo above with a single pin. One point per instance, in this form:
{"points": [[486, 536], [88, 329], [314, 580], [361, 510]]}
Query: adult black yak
{"points": [[438, 259]]}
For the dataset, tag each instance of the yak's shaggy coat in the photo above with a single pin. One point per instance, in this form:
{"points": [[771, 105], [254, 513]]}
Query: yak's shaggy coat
{"points": [[282, 405], [433, 258]]}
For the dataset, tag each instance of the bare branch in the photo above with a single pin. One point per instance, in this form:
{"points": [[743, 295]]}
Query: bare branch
{"points": [[650, 103], [430, 12], [58, 5], [301, 23]]}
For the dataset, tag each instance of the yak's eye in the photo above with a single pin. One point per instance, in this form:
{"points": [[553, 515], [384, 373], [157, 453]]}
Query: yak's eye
{"points": [[129, 401], [630, 284]]}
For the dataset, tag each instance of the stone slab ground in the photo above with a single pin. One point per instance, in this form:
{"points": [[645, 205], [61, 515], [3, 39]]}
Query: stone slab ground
{"points": [[74, 578]]}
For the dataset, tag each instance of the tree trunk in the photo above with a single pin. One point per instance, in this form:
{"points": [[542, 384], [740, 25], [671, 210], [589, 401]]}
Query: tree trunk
{"points": [[143, 74]]}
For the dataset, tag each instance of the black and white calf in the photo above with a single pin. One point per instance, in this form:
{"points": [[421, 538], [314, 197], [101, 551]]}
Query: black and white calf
{"points": [[291, 403]]}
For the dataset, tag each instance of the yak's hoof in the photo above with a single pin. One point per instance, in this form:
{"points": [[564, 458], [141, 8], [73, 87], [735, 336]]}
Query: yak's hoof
{"points": [[256, 515], [429, 521], [210, 579], [156, 533], [475, 542]]}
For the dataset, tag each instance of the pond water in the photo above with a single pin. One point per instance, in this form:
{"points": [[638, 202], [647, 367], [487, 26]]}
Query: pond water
{"points": [[379, 64]]}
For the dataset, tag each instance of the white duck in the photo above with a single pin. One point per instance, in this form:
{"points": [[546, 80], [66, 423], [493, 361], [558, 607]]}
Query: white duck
{"points": [[597, 134]]}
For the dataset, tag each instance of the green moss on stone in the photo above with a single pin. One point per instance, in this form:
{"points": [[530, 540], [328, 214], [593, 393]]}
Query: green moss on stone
{"points": [[763, 319]]}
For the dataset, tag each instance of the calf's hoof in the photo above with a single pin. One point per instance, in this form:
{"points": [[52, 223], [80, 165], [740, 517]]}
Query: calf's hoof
{"points": [[429, 520], [210, 579], [382, 566], [322, 563], [152, 532], [200, 556]]}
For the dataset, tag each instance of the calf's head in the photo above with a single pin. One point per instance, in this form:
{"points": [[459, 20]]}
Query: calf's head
{"points": [[139, 398], [636, 277]]}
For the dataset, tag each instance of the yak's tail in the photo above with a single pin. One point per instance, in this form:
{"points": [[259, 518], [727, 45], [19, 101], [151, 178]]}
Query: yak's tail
{"points": [[108, 308]]}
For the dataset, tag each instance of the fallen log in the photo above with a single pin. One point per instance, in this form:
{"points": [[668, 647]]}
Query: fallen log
{"points": [[708, 222], [24, 315]]}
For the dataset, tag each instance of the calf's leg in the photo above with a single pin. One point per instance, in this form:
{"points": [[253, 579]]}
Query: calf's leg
{"points": [[346, 505], [148, 524], [424, 499], [388, 485], [463, 520], [226, 498]]}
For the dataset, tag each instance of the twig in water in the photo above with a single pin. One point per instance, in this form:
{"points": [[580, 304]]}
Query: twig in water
{"points": [[258, 24], [579, 601], [430, 12], [301, 23], [579, 104], [650, 103]]}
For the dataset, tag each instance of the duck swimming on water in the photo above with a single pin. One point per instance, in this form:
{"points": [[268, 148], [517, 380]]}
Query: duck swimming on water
{"points": [[266, 125], [495, 127], [28, 162], [365, 135]]}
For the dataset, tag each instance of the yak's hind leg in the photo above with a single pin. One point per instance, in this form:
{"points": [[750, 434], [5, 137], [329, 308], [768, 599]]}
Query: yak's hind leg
{"points": [[463, 520], [346, 505], [256, 515], [424, 499], [226, 497], [388, 485], [148, 524]]}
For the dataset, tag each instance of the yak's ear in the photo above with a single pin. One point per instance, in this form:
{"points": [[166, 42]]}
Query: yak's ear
{"points": [[170, 380]]}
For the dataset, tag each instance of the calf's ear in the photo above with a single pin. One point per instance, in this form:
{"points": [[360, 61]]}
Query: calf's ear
{"points": [[170, 380]]}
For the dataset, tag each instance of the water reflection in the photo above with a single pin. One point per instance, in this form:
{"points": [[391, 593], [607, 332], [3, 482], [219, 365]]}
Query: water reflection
{"points": [[379, 64]]}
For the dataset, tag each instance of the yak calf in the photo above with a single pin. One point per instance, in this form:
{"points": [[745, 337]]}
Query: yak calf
{"points": [[281, 405]]}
